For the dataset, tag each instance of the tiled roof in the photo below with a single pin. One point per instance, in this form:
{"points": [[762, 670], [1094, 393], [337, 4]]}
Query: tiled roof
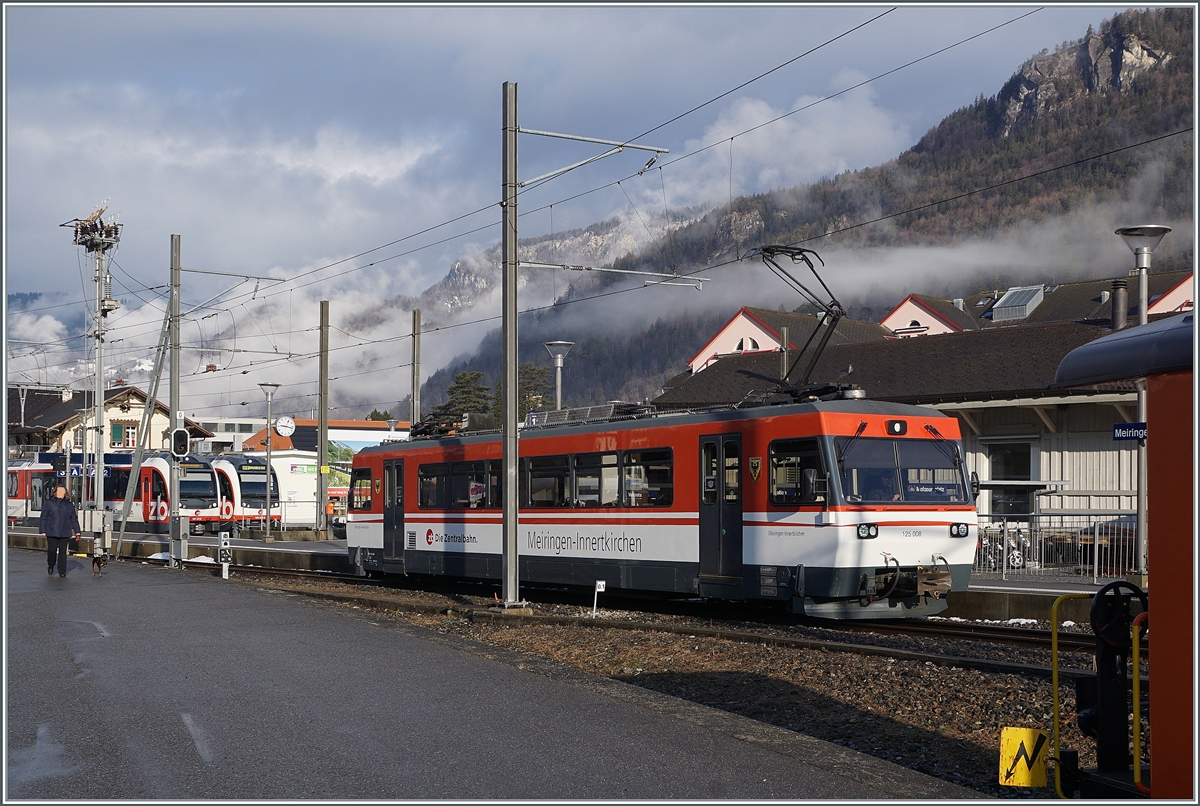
{"points": [[996, 363], [1077, 302], [46, 410], [801, 325], [304, 438]]}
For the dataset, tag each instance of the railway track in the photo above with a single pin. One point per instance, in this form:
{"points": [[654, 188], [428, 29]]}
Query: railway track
{"points": [[729, 622]]}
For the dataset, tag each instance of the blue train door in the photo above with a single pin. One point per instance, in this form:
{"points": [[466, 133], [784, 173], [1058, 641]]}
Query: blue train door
{"points": [[393, 511], [721, 515]]}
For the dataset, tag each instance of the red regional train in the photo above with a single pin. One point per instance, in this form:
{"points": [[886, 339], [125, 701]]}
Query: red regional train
{"points": [[839, 509]]}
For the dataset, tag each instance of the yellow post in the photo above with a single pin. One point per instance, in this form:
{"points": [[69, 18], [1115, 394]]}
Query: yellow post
{"points": [[1023, 744], [1137, 704]]}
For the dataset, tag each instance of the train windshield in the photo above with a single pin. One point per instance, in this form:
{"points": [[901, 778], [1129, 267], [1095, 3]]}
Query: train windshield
{"points": [[197, 487], [884, 471], [253, 481]]}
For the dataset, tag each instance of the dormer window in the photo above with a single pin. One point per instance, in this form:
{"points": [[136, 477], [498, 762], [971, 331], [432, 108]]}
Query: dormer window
{"points": [[914, 323], [746, 344]]}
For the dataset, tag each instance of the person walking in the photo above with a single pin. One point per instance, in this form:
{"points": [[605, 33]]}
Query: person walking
{"points": [[57, 524]]}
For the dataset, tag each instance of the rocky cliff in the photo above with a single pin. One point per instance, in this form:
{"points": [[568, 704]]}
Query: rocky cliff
{"points": [[1110, 61]]}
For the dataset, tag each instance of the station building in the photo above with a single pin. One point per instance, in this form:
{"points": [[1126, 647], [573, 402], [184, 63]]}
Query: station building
{"points": [[50, 419]]}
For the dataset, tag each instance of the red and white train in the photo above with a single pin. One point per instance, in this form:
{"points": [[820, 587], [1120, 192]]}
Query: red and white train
{"points": [[838, 509], [31, 481], [242, 492]]}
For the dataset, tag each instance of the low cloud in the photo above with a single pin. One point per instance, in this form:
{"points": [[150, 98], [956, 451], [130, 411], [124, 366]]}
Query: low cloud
{"points": [[844, 133]]}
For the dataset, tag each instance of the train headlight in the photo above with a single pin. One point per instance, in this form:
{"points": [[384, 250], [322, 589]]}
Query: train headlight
{"points": [[867, 531], [959, 529]]}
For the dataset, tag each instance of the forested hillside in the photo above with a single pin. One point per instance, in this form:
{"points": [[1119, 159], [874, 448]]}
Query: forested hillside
{"points": [[629, 368]]}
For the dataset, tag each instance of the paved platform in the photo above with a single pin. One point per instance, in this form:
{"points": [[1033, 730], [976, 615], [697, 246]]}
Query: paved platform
{"points": [[281, 552], [153, 683]]}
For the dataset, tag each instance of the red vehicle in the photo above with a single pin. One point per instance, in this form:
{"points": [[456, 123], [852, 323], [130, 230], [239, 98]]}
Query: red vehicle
{"points": [[839, 509]]}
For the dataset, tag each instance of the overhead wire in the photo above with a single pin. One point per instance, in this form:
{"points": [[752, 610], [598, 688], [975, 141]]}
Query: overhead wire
{"points": [[490, 206], [737, 259], [291, 281], [863, 83]]}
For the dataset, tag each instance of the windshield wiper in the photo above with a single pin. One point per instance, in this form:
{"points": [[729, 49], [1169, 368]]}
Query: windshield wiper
{"points": [[945, 446], [844, 451]]}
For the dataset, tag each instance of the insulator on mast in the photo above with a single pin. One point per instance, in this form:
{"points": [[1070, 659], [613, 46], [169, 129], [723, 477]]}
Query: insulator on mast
{"points": [[108, 304]]}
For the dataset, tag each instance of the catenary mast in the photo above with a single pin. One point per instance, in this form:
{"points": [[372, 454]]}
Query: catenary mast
{"points": [[97, 237]]}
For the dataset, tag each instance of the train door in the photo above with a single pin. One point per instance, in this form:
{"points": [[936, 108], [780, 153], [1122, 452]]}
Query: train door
{"points": [[155, 509], [721, 515], [20, 495], [393, 510], [224, 498], [39, 484]]}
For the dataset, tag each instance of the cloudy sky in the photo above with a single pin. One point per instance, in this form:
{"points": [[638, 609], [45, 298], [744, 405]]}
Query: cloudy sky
{"points": [[276, 141]]}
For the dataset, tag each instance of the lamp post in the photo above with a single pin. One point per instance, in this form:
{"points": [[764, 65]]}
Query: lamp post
{"points": [[1142, 241], [269, 390], [558, 351]]}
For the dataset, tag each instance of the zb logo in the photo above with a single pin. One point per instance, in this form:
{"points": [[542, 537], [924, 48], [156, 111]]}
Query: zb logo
{"points": [[1023, 757]]}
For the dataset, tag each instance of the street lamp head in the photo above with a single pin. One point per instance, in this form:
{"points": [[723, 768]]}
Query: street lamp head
{"points": [[1143, 239], [268, 389], [558, 349], [392, 424]]}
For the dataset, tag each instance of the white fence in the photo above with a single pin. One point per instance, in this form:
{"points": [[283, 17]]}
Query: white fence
{"points": [[1093, 547], [291, 515]]}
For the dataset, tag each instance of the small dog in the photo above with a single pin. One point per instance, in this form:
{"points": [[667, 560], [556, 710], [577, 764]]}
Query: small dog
{"points": [[98, 564]]}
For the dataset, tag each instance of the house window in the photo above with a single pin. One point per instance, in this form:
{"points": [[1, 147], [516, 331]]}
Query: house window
{"points": [[1011, 461], [123, 435], [746, 344]]}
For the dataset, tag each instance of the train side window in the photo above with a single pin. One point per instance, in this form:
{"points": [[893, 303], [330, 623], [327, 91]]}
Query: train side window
{"points": [[596, 480], [468, 485], [733, 472], [160, 487], [37, 492], [434, 484], [495, 482], [12, 484], [648, 478], [548, 480], [120, 485], [360, 488], [708, 472], [788, 461], [224, 487]]}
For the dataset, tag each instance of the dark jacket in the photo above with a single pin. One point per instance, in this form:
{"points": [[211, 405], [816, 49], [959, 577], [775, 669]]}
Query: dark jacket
{"points": [[58, 518]]}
